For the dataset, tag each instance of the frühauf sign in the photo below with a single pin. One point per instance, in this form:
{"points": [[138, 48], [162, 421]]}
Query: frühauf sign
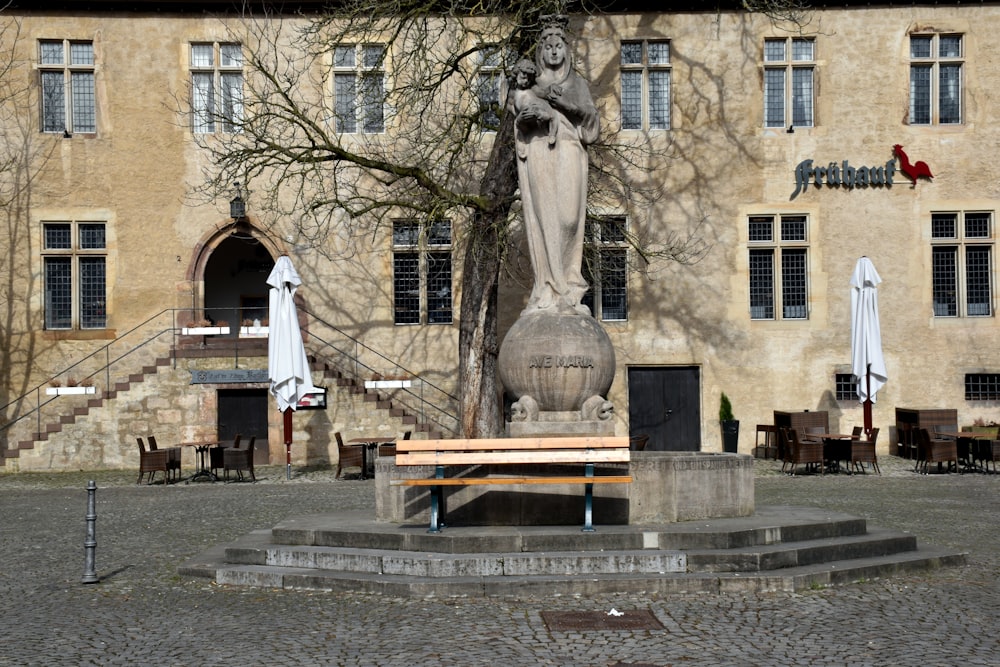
{"points": [[842, 175]]}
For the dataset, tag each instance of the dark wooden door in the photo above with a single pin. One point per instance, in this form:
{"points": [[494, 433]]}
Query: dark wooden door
{"points": [[244, 412], [664, 402]]}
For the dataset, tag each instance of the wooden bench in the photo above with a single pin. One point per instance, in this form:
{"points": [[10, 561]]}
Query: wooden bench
{"points": [[510, 451]]}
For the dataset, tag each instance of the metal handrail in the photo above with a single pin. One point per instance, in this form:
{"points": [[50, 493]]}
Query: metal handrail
{"points": [[429, 410]]}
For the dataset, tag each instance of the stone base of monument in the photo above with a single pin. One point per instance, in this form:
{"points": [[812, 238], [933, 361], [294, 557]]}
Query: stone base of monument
{"points": [[667, 487], [559, 424]]}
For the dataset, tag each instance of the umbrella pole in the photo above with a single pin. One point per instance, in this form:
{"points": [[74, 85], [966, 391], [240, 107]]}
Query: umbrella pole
{"points": [[288, 443], [868, 403]]}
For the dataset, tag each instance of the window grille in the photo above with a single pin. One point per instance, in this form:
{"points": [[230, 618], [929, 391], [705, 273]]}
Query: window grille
{"points": [[962, 264], [645, 85], [605, 268], [67, 94], [936, 63], [789, 254], [982, 386], [81, 263], [422, 272], [846, 387], [784, 104]]}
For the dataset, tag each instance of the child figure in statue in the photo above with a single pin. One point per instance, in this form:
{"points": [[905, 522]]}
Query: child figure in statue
{"points": [[528, 104]]}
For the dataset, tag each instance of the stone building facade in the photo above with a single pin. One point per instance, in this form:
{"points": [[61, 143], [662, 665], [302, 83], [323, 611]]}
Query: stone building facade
{"points": [[789, 153]]}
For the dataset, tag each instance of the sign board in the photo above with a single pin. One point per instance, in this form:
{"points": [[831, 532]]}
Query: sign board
{"points": [[229, 376], [314, 401]]}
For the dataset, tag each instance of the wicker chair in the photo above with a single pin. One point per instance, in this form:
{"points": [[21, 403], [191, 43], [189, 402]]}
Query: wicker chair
{"points": [[863, 451], [766, 445], [933, 450], [173, 458], [217, 456], [348, 456], [802, 453], [389, 448], [151, 462], [988, 451], [637, 443], [239, 457]]}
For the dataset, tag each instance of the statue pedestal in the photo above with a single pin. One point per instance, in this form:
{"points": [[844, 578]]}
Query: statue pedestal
{"points": [[559, 424]]}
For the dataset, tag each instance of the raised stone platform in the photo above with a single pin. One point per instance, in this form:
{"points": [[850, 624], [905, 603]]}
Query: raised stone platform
{"points": [[667, 487], [778, 548]]}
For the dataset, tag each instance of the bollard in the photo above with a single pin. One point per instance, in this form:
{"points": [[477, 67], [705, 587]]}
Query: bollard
{"points": [[90, 543]]}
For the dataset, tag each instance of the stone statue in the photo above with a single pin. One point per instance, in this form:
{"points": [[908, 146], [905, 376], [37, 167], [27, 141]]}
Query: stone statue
{"points": [[556, 360], [552, 171]]}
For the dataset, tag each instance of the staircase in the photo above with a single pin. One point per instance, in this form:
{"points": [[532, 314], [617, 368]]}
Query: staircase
{"points": [[67, 410], [777, 549]]}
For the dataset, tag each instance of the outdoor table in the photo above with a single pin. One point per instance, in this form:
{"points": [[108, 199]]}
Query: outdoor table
{"points": [[836, 447], [201, 451], [963, 442], [367, 446]]}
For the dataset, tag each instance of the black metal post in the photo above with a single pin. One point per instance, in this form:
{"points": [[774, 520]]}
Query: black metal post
{"points": [[90, 543]]}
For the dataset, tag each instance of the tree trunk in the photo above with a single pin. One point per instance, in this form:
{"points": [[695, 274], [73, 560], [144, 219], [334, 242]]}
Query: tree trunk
{"points": [[479, 387]]}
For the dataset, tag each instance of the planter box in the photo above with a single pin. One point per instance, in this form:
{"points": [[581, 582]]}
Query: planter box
{"points": [[387, 384], [204, 331], [253, 332], [59, 391]]}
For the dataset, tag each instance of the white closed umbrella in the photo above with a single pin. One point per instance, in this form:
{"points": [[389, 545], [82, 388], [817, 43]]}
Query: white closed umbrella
{"points": [[287, 363], [867, 360]]}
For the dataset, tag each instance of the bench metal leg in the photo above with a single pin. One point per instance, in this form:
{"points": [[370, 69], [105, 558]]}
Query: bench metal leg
{"points": [[588, 511], [437, 503]]}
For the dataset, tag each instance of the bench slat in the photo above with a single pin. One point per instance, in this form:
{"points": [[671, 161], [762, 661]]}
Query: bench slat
{"points": [[481, 444], [473, 481], [490, 457]]}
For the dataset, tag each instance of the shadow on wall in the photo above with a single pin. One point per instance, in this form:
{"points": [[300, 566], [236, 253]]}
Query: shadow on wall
{"points": [[320, 430]]}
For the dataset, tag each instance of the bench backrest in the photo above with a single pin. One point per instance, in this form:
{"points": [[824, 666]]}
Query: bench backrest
{"points": [[480, 451]]}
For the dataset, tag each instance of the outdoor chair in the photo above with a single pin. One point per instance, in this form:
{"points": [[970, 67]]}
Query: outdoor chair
{"points": [[173, 458], [934, 450], [988, 451], [766, 444], [637, 443], [239, 458], [803, 453], [151, 462], [857, 432], [217, 456], [863, 451], [348, 456], [389, 448]]}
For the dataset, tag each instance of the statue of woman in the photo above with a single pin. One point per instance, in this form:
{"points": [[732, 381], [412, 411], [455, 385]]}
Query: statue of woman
{"points": [[553, 174]]}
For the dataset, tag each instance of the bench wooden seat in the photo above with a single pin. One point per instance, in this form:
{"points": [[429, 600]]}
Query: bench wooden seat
{"points": [[589, 451]]}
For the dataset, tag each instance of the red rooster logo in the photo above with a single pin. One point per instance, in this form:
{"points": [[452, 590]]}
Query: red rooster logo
{"points": [[912, 171]]}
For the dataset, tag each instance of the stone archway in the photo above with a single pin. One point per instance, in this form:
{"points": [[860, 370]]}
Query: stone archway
{"points": [[228, 274]]}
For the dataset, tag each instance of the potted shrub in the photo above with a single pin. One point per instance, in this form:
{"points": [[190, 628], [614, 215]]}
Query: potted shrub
{"points": [[730, 425]]}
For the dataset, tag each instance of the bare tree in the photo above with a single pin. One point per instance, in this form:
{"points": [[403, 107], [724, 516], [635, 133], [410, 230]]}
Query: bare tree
{"points": [[433, 161]]}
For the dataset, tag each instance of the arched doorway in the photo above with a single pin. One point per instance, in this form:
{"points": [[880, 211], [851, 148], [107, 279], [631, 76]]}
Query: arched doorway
{"points": [[235, 280]]}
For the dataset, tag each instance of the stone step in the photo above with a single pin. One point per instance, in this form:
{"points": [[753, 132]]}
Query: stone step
{"points": [[787, 580], [777, 549]]}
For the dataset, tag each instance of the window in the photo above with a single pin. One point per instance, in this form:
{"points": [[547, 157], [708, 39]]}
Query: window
{"points": [[358, 88], [421, 265], [645, 76], [605, 268], [961, 263], [982, 386], [846, 387], [935, 79], [74, 259], [490, 88], [789, 104], [778, 257], [67, 86], [216, 87]]}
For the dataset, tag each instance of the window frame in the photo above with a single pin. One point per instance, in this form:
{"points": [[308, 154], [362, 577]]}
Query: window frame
{"points": [[77, 257], [425, 249], [789, 65], [780, 281], [605, 267], [953, 274], [646, 70], [360, 73], [216, 109], [933, 63], [77, 91], [492, 85]]}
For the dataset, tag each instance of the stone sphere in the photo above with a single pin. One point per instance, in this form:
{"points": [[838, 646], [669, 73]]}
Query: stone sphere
{"points": [[558, 359]]}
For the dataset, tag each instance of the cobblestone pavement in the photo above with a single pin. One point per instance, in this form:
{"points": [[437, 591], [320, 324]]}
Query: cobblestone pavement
{"points": [[141, 612]]}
